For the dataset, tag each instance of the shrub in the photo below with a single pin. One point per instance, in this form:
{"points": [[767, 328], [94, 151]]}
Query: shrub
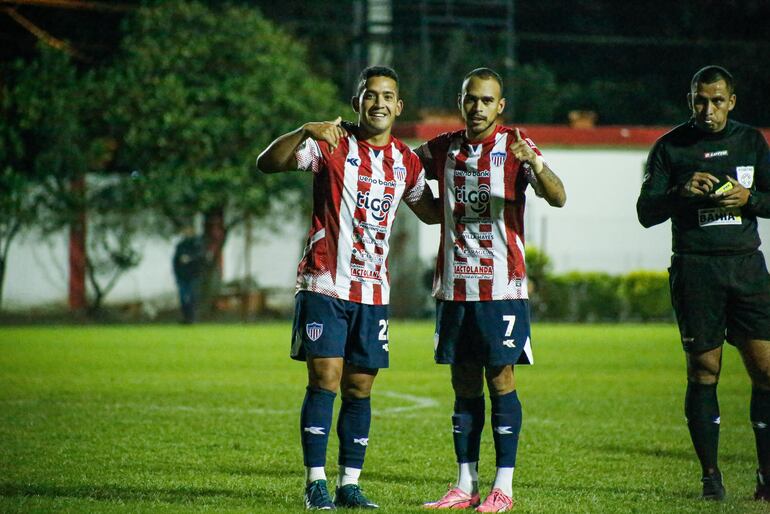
{"points": [[646, 294]]}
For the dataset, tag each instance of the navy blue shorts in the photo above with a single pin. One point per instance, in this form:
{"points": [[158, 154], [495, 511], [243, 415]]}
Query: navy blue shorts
{"points": [[491, 333], [330, 327]]}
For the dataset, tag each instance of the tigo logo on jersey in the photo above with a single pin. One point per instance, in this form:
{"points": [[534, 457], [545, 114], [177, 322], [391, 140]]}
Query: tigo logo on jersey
{"points": [[314, 330], [477, 200], [497, 158], [378, 207], [400, 173]]}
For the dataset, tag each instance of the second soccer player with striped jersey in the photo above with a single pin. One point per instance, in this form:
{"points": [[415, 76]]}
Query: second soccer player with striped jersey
{"points": [[480, 283]]}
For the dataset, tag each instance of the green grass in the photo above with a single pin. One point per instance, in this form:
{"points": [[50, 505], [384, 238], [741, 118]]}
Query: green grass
{"points": [[205, 418]]}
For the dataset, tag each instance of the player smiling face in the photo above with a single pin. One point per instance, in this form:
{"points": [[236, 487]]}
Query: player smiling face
{"points": [[480, 103], [711, 104], [378, 106]]}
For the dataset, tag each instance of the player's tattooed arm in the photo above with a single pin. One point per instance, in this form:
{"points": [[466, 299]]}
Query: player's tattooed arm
{"points": [[545, 182], [550, 187], [280, 154]]}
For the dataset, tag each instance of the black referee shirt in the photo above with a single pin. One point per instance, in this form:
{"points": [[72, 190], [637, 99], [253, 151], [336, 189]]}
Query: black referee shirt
{"points": [[699, 225]]}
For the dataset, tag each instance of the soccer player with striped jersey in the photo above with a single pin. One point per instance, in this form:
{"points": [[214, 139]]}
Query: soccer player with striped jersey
{"points": [[360, 174], [480, 283]]}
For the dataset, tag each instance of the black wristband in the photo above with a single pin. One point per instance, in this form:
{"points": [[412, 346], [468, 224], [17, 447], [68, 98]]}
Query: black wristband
{"points": [[751, 203]]}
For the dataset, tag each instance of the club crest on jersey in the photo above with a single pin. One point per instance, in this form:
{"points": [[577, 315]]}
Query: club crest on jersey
{"points": [[314, 330], [497, 158], [745, 175], [400, 173]]}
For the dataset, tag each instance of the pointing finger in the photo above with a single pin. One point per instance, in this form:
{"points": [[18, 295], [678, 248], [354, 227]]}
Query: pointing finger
{"points": [[518, 135]]}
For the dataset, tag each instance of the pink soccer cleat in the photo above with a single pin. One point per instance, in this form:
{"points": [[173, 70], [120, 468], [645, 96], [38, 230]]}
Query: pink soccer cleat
{"points": [[497, 501], [455, 499]]}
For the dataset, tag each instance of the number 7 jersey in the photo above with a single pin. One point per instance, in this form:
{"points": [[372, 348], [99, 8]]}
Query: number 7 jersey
{"points": [[481, 186]]}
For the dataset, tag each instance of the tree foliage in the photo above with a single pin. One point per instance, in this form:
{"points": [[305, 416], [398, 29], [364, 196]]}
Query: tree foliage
{"points": [[57, 139], [198, 92]]}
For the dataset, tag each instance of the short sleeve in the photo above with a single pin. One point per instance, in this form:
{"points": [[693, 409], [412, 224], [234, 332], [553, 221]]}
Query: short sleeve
{"points": [[426, 158], [413, 194], [309, 156]]}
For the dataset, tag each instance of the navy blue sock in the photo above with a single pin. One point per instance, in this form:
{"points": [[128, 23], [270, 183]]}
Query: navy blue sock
{"points": [[314, 423], [353, 430], [467, 424], [760, 419], [701, 408], [506, 425]]}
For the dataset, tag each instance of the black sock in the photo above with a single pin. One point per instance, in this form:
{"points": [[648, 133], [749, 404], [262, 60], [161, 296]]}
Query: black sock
{"points": [[760, 420], [701, 408]]}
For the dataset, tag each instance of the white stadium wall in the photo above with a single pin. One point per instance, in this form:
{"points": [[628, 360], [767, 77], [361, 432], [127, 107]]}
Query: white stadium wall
{"points": [[596, 231]]}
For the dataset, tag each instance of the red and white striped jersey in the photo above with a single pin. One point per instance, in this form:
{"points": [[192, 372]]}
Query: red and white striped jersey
{"points": [[481, 186], [356, 191]]}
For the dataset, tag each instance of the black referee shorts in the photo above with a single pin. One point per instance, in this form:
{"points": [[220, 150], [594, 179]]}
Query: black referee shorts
{"points": [[720, 297]]}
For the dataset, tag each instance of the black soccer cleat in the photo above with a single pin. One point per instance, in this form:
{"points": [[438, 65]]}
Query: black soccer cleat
{"points": [[762, 492], [317, 496], [351, 497], [712, 487]]}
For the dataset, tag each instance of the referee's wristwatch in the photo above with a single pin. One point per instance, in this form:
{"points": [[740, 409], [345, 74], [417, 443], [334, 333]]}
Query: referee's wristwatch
{"points": [[752, 202]]}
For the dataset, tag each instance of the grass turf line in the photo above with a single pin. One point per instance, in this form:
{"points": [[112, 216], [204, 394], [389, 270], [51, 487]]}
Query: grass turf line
{"points": [[205, 419]]}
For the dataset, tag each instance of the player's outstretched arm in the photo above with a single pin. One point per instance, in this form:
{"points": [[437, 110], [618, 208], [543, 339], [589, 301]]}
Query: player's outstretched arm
{"points": [[280, 154], [548, 185]]}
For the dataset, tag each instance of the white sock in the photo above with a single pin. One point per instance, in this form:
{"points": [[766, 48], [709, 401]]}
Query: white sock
{"points": [[348, 475], [313, 474], [504, 480], [468, 477]]}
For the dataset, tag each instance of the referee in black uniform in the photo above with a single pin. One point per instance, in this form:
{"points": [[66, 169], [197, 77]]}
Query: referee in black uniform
{"points": [[711, 176]]}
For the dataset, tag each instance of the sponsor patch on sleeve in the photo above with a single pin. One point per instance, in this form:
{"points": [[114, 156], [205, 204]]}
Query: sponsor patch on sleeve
{"points": [[745, 175]]}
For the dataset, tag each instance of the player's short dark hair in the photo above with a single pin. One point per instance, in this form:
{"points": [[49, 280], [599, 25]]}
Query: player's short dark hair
{"points": [[485, 74], [375, 71], [710, 74]]}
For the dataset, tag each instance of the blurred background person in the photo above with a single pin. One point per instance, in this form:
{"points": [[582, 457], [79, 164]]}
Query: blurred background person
{"points": [[189, 259]]}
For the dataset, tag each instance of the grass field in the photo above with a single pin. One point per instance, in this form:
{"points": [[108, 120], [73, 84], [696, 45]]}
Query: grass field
{"points": [[205, 419]]}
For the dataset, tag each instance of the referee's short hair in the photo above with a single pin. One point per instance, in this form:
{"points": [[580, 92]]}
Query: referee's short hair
{"points": [[710, 74], [486, 74], [376, 71]]}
